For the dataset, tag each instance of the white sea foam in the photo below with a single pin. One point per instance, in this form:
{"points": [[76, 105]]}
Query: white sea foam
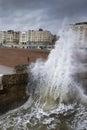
{"points": [[55, 76]]}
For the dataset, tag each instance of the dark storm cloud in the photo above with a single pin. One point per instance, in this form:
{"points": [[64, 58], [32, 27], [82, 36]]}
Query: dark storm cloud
{"points": [[48, 14], [70, 8]]}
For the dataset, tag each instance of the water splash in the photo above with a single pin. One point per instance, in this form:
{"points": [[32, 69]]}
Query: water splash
{"points": [[54, 78]]}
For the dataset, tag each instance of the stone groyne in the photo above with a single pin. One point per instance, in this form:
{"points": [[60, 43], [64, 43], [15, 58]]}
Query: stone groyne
{"points": [[13, 91], [14, 79]]}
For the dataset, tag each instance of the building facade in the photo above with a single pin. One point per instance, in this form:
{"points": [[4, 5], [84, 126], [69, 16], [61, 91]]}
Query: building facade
{"points": [[16, 37], [80, 34], [80, 30], [3, 37], [39, 37], [12, 37], [29, 39], [23, 38]]}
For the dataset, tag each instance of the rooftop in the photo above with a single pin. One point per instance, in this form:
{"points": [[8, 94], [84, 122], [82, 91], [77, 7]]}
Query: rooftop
{"points": [[80, 23]]}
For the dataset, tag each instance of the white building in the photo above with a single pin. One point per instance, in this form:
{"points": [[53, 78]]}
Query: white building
{"points": [[39, 36], [23, 37], [80, 33], [3, 37]]}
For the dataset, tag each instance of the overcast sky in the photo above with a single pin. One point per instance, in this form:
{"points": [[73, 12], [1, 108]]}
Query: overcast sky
{"points": [[46, 14]]}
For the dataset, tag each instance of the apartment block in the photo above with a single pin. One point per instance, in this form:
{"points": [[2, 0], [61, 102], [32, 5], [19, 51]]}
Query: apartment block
{"points": [[3, 37], [80, 33], [16, 37], [30, 39], [80, 30], [12, 37], [23, 38], [39, 36]]}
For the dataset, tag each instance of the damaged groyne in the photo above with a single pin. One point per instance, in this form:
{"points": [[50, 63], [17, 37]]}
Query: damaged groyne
{"points": [[12, 91]]}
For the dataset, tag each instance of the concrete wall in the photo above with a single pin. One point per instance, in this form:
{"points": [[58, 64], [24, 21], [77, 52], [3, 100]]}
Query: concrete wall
{"points": [[13, 93], [14, 79]]}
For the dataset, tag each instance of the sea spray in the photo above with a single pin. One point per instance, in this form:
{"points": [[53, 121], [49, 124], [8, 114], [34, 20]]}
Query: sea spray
{"points": [[54, 78]]}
